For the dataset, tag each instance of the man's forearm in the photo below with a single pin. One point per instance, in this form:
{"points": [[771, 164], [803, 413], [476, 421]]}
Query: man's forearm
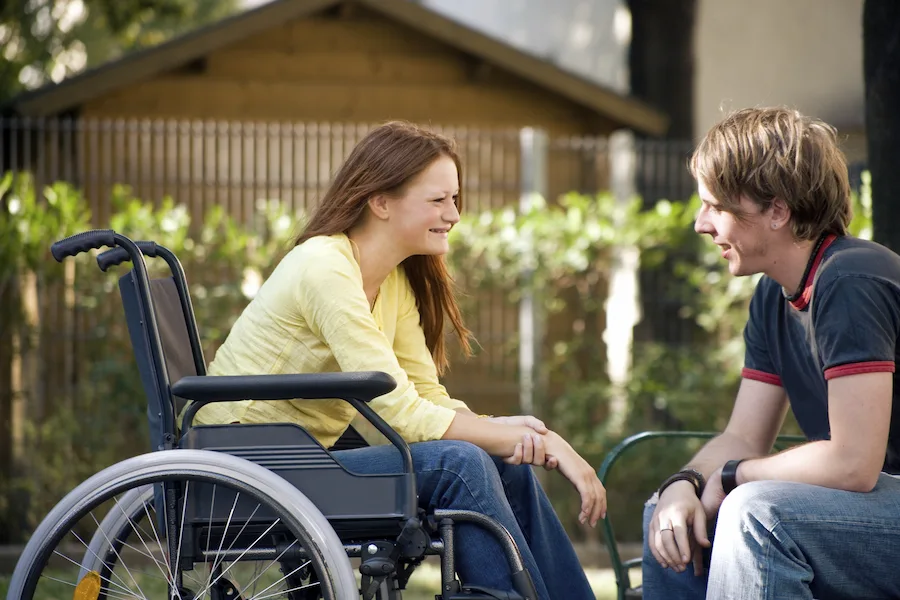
{"points": [[719, 450], [818, 463]]}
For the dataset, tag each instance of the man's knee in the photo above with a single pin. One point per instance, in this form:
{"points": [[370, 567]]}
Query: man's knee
{"points": [[649, 509], [753, 505]]}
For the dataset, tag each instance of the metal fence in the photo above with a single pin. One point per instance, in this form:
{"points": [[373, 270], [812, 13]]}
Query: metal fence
{"points": [[201, 163]]}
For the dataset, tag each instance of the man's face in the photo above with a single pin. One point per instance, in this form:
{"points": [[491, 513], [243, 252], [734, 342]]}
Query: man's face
{"points": [[744, 243]]}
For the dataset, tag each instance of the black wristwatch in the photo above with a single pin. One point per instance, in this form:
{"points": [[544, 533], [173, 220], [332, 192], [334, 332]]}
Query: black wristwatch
{"points": [[729, 475]]}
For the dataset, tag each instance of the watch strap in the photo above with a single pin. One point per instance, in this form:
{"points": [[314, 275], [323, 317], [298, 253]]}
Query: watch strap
{"points": [[729, 475]]}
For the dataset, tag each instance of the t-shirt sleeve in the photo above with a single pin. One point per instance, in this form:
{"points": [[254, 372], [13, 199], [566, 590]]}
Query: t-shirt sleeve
{"points": [[413, 354], [335, 307], [758, 364], [855, 326]]}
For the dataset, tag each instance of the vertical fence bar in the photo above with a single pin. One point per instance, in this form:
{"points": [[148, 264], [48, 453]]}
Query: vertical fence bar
{"points": [[622, 301], [533, 182]]}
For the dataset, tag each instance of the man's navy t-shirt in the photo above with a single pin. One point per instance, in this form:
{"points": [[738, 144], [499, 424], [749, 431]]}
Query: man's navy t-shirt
{"points": [[846, 322]]}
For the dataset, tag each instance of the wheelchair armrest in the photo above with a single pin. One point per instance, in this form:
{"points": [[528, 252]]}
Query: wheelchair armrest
{"points": [[363, 386], [357, 388]]}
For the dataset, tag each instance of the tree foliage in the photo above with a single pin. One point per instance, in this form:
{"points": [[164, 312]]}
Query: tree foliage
{"points": [[46, 41]]}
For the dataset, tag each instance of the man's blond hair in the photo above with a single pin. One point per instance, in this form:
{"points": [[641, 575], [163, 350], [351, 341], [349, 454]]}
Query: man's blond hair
{"points": [[769, 153]]}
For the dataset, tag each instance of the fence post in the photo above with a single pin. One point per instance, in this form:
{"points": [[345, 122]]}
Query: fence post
{"points": [[533, 187], [622, 303]]}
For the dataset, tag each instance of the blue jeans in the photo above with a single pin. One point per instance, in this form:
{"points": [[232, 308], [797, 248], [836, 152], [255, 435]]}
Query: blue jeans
{"points": [[785, 540], [461, 476]]}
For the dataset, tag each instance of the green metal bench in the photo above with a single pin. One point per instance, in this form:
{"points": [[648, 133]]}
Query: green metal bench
{"points": [[621, 568]]}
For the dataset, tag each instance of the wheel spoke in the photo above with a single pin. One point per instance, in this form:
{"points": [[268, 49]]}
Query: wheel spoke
{"points": [[163, 552], [112, 547], [284, 578], [222, 574], [276, 559]]}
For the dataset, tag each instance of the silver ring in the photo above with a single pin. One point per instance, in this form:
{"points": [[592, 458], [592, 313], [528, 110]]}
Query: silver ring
{"points": [[661, 529]]}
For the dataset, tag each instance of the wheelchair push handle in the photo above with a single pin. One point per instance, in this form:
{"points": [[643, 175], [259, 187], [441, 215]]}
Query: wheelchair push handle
{"points": [[82, 242], [116, 256]]}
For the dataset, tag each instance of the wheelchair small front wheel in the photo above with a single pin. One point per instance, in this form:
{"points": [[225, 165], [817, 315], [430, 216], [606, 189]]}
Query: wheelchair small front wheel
{"points": [[184, 525]]}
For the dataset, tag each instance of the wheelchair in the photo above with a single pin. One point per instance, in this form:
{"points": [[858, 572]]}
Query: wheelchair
{"points": [[239, 511]]}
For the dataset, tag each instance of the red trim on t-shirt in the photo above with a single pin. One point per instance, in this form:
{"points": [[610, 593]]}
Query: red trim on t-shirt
{"points": [[756, 375], [875, 366], [803, 301]]}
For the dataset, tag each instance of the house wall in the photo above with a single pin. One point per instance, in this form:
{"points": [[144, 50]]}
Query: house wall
{"points": [[802, 53]]}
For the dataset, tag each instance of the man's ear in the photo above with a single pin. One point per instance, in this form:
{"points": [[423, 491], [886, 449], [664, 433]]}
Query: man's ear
{"points": [[378, 204], [780, 213]]}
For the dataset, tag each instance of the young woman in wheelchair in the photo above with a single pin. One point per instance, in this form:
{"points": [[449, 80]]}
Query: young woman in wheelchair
{"points": [[366, 289]]}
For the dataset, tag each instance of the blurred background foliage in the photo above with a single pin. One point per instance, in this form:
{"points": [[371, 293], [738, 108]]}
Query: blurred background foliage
{"points": [[560, 253]]}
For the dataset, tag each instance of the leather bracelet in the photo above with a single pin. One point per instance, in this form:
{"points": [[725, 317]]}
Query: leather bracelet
{"points": [[729, 475], [692, 475]]}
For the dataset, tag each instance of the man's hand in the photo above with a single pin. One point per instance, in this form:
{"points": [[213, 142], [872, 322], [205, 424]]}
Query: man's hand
{"points": [[530, 450], [582, 475], [677, 529], [713, 495]]}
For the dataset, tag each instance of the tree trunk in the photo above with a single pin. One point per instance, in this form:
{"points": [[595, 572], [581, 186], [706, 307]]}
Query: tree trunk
{"points": [[661, 60], [661, 64], [881, 60], [8, 321]]}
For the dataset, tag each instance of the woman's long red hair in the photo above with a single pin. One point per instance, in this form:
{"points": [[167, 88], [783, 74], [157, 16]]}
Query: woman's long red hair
{"points": [[384, 162]]}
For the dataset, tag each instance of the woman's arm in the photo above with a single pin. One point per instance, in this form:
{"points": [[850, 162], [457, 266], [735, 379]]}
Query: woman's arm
{"points": [[415, 358], [328, 291], [496, 437]]}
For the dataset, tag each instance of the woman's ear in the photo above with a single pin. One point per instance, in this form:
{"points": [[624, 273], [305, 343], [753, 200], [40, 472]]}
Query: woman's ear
{"points": [[378, 204]]}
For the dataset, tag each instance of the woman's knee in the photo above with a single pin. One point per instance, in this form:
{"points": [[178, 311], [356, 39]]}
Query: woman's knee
{"points": [[461, 457]]}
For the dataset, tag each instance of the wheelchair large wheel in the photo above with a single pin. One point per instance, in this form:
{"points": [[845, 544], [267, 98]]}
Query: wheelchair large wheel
{"points": [[228, 529]]}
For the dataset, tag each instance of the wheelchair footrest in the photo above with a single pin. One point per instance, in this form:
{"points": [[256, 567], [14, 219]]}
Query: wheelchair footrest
{"points": [[476, 592]]}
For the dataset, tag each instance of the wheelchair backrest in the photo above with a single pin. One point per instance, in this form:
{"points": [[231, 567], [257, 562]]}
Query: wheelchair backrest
{"points": [[180, 346]]}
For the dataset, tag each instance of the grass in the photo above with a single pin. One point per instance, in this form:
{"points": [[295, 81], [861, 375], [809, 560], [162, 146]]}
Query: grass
{"points": [[423, 585]]}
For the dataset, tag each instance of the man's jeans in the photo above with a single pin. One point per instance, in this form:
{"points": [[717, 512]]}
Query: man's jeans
{"points": [[459, 475], [786, 540]]}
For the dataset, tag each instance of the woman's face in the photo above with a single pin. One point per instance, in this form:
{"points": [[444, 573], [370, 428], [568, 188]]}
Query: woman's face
{"points": [[422, 217]]}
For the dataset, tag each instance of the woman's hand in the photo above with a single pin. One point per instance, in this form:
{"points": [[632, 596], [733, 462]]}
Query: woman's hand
{"points": [[526, 420], [530, 450], [582, 475]]}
